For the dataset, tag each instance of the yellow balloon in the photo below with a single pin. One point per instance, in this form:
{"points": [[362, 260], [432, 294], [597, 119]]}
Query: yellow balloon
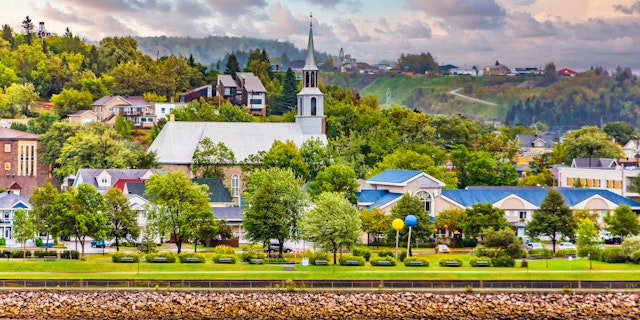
{"points": [[397, 224]]}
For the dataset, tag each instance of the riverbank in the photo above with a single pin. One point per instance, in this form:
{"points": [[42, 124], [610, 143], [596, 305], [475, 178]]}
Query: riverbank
{"points": [[278, 304]]}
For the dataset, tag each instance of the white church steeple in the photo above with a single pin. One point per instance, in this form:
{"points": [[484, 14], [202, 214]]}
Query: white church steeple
{"points": [[310, 115]]}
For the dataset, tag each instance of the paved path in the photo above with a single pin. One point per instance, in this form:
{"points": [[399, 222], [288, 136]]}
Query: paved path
{"points": [[455, 93]]}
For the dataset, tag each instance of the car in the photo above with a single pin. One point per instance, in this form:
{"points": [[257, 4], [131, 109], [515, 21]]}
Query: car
{"points": [[613, 240], [534, 245], [98, 244], [274, 247], [567, 245], [442, 248]]}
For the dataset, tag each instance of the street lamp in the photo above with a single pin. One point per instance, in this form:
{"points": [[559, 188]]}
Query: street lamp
{"points": [[410, 221], [397, 224]]}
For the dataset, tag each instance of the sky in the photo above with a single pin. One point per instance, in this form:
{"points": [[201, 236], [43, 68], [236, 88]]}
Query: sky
{"points": [[576, 34]]}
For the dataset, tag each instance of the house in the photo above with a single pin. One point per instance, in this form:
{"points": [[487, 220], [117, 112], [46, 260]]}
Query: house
{"points": [[631, 149], [567, 73], [9, 203], [594, 163], [386, 188], [617, 179], [532, 146], [133, 108], [177, 141], [253, 93], [528, 71], [197, 93], [163, 109], [22, 169], [227, 87], [104, 179], [82, 116], [496, 70]]}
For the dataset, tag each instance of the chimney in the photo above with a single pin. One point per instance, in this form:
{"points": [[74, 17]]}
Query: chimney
{"points": [[172, 117], [171, 99]]}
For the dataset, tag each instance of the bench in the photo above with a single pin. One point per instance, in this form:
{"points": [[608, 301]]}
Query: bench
{"points": [[50, 258], [352, 263], [126, 259], [482, 263], [34, 258], [416, 263], [191, 260], [452, 263], [256, 261], [321, 263], [383, 263], [225, 260], [159, 259], [570, 255], [535, 256]]}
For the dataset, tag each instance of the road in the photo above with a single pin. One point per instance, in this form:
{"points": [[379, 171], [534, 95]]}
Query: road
{"points": [[455, 93]]}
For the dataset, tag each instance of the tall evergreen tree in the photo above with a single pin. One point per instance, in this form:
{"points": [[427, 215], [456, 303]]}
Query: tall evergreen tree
{"points": [[232, 66], [553, 219], [287, 100], [27, 28]]}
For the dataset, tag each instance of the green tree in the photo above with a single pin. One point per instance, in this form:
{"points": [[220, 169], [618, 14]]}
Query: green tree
{"points": [[502, 240], [316, 155], [123, 127], [286, 155], [7, 34], [554, 218], [332, 223], [209, 159], [407, 205], [587, 238], [20, 98], [336, 178], [204, 227], [413, 160], [42, 123], [589, 142], [482, 216], [288, 97], [274, 201], [122, 220], [42, 203], [451, 220], [27, 29], [550, 74], [374, 222], [22, 229], [232, 66], [231, 113], [175, 201], [623, 222], [71, 100], [131, 79], [620, 131], [224, 229], [114, 51], [50, 144]]}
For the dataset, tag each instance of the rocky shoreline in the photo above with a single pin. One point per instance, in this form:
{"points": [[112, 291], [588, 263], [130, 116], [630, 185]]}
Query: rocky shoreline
{"points": [[183, 304]]}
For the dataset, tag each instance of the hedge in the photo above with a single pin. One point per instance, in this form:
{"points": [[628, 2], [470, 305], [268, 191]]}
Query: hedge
{"points": [[344, 258], [117, 256], [217, 256], [170, 256], [374, 261], [407, 261], [183, 257], [315, 255], [443, 262], [473, 261]]}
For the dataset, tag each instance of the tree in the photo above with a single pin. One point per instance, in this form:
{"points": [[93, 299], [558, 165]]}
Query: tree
{"points": [[554, 218], [209, 159], [224, 230], [232, 66], [7, 34], [42, 203], [42, 123], [204, 227], [316, 155], [451, 220], [80, 213], [286, 155], [19, 97], [620, 131], [623, 222], [288, 97], [123, 127], [71, 100], [589, 142], [502, 240], [336, 178], [131, 79], [407, 205], [27, 28], [332, 223], [51, 142], [328, 64], [122, 220], [413, 160], [482, 216], [175, 201], [374, 222], [274, 200], [22, 229], [587, 238], [550, 74]]}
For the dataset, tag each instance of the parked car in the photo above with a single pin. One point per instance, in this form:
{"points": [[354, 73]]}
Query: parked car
{"points": [[567, 245], [534, 245], [274, 247], [613, 240], [442, 248], [98, 244]]}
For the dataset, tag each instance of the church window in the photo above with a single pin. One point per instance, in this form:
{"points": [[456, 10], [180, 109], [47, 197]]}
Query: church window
{"points": [[235, 186], [425, 198], [313, 106]]}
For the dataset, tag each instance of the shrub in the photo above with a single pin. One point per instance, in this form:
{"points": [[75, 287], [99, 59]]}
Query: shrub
{"points": [[482, 251], [443, 262], [224, 249], [217, 256], [345, 257], [613, 255], [407, 261], [117, 256], [362, 252], [544, 252], [3, 242], [247, 255], [473, 261], [563, 252], [374, 261], [290, 285], [402, 254], [315, 255], [524, 264], [469, 242], [19, 254], [184, 255], [635, 257], [517, 253], [38, 242], [170, 256], [630, 245], [42, 253], [503, 261], [275, 260], [386, 253], [70, 254], [430, 244]]}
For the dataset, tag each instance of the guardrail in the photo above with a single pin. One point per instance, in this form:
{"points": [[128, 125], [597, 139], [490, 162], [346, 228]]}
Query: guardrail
{"points": [[316, 284]]}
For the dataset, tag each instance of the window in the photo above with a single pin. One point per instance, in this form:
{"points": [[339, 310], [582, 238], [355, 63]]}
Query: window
{"points": [[110, 109], [7, 147], [523, 215], [103, 181], [6, 214], [235, 186], [162, 110], [7, 165], [313, 106], [144, 119], [255, 101], [425, 197]]}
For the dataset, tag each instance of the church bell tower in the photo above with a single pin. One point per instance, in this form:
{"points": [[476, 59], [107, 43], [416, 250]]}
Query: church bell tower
{"points": [[310, 115]]}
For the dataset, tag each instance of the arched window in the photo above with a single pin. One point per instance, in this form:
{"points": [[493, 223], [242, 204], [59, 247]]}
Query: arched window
{"points": [[235, 186], [307, 81], [313, 106], [313, 79], [299, 106], [425, 198]]}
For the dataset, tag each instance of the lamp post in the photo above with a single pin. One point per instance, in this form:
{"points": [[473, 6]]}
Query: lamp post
{"points": [[410, 221], [397, 224]]}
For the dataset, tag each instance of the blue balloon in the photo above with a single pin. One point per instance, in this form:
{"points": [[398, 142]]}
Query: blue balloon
{"points": [[410, 220]]}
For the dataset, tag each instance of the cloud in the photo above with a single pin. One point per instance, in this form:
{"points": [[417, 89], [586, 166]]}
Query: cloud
{"points": [[347, 30], [282, 21], [466, 14], [523, 25], [634, 8], [233, 8], [414, 29]]}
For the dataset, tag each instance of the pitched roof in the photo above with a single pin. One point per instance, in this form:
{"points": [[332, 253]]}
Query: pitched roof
{"points": [[81, 112], [88, 176], [217, 192], [121, 183], [376, 198], [594, 163], [230, 214], [527, 140], [251, 82], [226, 80], [178, 140], [134, 101], [10, 200], [11, 134], [394, 176], [310, 61]]}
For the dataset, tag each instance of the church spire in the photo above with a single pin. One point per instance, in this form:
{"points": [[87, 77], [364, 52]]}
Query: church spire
{"points": [[310, 63]]}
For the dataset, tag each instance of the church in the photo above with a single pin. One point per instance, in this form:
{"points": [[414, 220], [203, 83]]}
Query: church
{"points": [[178, 140]]}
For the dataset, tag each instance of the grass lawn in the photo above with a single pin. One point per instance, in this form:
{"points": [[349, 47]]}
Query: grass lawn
{"points": [[98, 266]]}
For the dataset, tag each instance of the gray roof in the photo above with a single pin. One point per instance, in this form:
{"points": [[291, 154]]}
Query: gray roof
{"points": [[230, 214], [594, 163], [527, 140], [134, 101], [226, 80], [217, 192], [9, 200], [178, 140], [88, 176], [251, 82]]}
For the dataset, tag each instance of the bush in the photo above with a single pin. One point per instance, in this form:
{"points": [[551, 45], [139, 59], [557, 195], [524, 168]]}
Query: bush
{"points": [[345, 257], [402, 254], [386, 253], [70, 254], [503, 261], [184, 255], [524, 264], [170, 256], [613, 255], [42, 253], [247, 255], [19, 254], [473, 261], [362, 252], [315, 255], [217, 256], [544, 252], [563, 252], [224, 249], [117, 256], [635, 257], [374, 261], [469, 242], [407, 261], [443, 262], [630, 245], [3, 242], [38, 242], [482, 251]]}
